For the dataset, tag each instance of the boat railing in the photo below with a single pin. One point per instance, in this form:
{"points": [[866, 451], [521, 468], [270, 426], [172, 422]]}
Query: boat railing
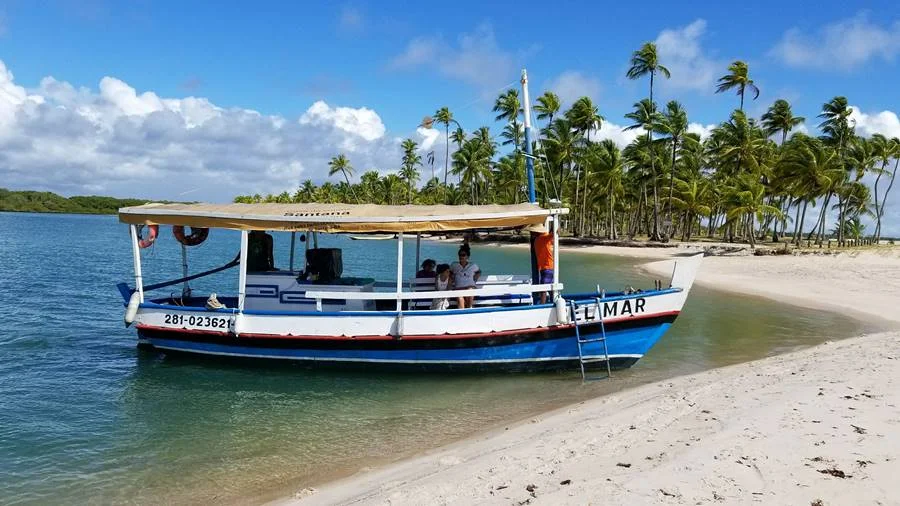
{"points": [[319, 296]]}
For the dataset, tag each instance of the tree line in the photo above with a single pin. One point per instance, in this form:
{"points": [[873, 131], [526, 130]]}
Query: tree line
{"points": [[48, 202], [750, 179]]}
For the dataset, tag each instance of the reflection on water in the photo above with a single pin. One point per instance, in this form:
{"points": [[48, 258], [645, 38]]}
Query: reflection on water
{"points": [[85, 417]]}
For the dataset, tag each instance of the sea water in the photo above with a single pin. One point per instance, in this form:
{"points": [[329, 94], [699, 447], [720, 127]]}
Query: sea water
{"points": [[85, 417]]}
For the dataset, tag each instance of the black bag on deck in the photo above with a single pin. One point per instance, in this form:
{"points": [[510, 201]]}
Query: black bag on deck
{"points": [[325, 264]]}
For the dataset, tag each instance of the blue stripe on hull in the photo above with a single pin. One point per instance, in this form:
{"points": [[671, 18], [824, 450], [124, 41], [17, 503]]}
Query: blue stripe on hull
{"points": [[629, 344]]}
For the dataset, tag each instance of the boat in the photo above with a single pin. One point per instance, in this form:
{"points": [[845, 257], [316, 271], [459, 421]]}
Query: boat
{"points": [[372, 237], [317, 316]]}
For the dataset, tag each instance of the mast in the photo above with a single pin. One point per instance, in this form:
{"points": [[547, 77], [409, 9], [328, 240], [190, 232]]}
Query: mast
{"points": [[529, 158]]}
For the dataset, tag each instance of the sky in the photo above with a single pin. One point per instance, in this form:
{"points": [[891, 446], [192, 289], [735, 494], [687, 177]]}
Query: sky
{"points": [[208, 100]]}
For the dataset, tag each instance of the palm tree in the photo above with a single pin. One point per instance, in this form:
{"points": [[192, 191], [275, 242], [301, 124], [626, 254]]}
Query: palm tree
{"points": [[341, 164], [747, 199], [561, 145], [547, 106], [408, 171], [508, 108], [445, 117], [883, 149], [838, 133], [645, 61], [611, 171], [472, 163], [895, 149], [780, 118], [813, 168], [738, 77], [674, 123], [584, 117], [647, 117]]}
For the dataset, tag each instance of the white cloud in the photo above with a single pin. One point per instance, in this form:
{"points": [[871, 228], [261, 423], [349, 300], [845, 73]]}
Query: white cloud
{"points": [[617, 133], [680, 51], [362, 122], [885, 123], [698, 128], [572, 85], [428, 137], [476, 58], [114, 140], [845, 44]]}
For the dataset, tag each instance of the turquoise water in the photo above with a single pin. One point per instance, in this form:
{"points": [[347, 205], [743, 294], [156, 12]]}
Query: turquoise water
{"points": [[86, 417]]}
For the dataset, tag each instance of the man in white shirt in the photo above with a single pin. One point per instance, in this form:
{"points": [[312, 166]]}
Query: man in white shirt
{"points": [[465, 276]]}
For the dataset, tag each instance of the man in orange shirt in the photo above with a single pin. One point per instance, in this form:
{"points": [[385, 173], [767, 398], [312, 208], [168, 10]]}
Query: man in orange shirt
{"points": [[543, 250]]}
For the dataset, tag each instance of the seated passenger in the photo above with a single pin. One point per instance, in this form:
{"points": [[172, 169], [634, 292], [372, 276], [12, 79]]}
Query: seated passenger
{"points": [[260, 248], [427, 269], [465, 276], [442, 282]]}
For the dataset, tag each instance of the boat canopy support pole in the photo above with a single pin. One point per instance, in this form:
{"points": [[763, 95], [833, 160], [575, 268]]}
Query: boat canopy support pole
{"points": [[399, 271], [418, 247], [555, 256], [242, 277], [529, 159], [293, 241], [186, 288], [136, 252]]}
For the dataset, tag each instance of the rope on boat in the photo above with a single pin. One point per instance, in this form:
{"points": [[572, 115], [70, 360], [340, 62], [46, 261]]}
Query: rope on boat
{"points": [[229, 265]]}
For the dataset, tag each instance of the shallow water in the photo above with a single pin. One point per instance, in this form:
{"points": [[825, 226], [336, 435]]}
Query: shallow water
{"points": [[86, 417]]}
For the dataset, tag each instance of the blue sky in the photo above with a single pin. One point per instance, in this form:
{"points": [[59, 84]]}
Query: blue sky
{"points": [[279, 87], [277, 57]]}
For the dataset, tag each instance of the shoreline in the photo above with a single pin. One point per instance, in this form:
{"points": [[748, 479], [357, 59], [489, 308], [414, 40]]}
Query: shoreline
{"points": [[520, 450]]}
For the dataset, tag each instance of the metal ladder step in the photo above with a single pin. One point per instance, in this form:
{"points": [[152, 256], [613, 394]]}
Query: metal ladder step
{"points": [[573, 312]]}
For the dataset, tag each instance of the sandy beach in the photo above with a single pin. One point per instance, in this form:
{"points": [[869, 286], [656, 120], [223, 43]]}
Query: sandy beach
{"points": [[821, 424]]}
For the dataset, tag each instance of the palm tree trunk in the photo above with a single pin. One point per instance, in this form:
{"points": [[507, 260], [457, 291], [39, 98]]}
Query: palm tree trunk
{"points": [[671, 183], [875, 196], [821, 223], [447, 151], [750, 223], [884, 199], [577, 187], [798, 233]]}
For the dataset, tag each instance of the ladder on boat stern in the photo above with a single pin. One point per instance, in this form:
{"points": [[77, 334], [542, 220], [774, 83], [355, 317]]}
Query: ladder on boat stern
{"points": [[582, 360]]}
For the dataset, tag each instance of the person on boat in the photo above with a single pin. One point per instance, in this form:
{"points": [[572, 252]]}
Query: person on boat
{"points": [[465, 275], [260, 247], [442, 282], [543, 251], [427, 270]]}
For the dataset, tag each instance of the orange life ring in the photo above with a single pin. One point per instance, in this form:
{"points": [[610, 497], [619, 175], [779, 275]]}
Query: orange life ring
{"points": [[151, 236], [197, 235]]}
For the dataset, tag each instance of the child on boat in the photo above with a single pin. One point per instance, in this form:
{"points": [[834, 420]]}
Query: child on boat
{"points": [[442, 282]]}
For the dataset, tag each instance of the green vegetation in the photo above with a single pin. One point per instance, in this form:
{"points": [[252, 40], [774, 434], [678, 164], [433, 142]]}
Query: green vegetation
{"points": [[749, 180], [47, 202]]}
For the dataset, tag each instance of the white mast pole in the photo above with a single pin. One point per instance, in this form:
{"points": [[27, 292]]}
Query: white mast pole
{"points": [[136, 253], [242, 277], [529, 159]]}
